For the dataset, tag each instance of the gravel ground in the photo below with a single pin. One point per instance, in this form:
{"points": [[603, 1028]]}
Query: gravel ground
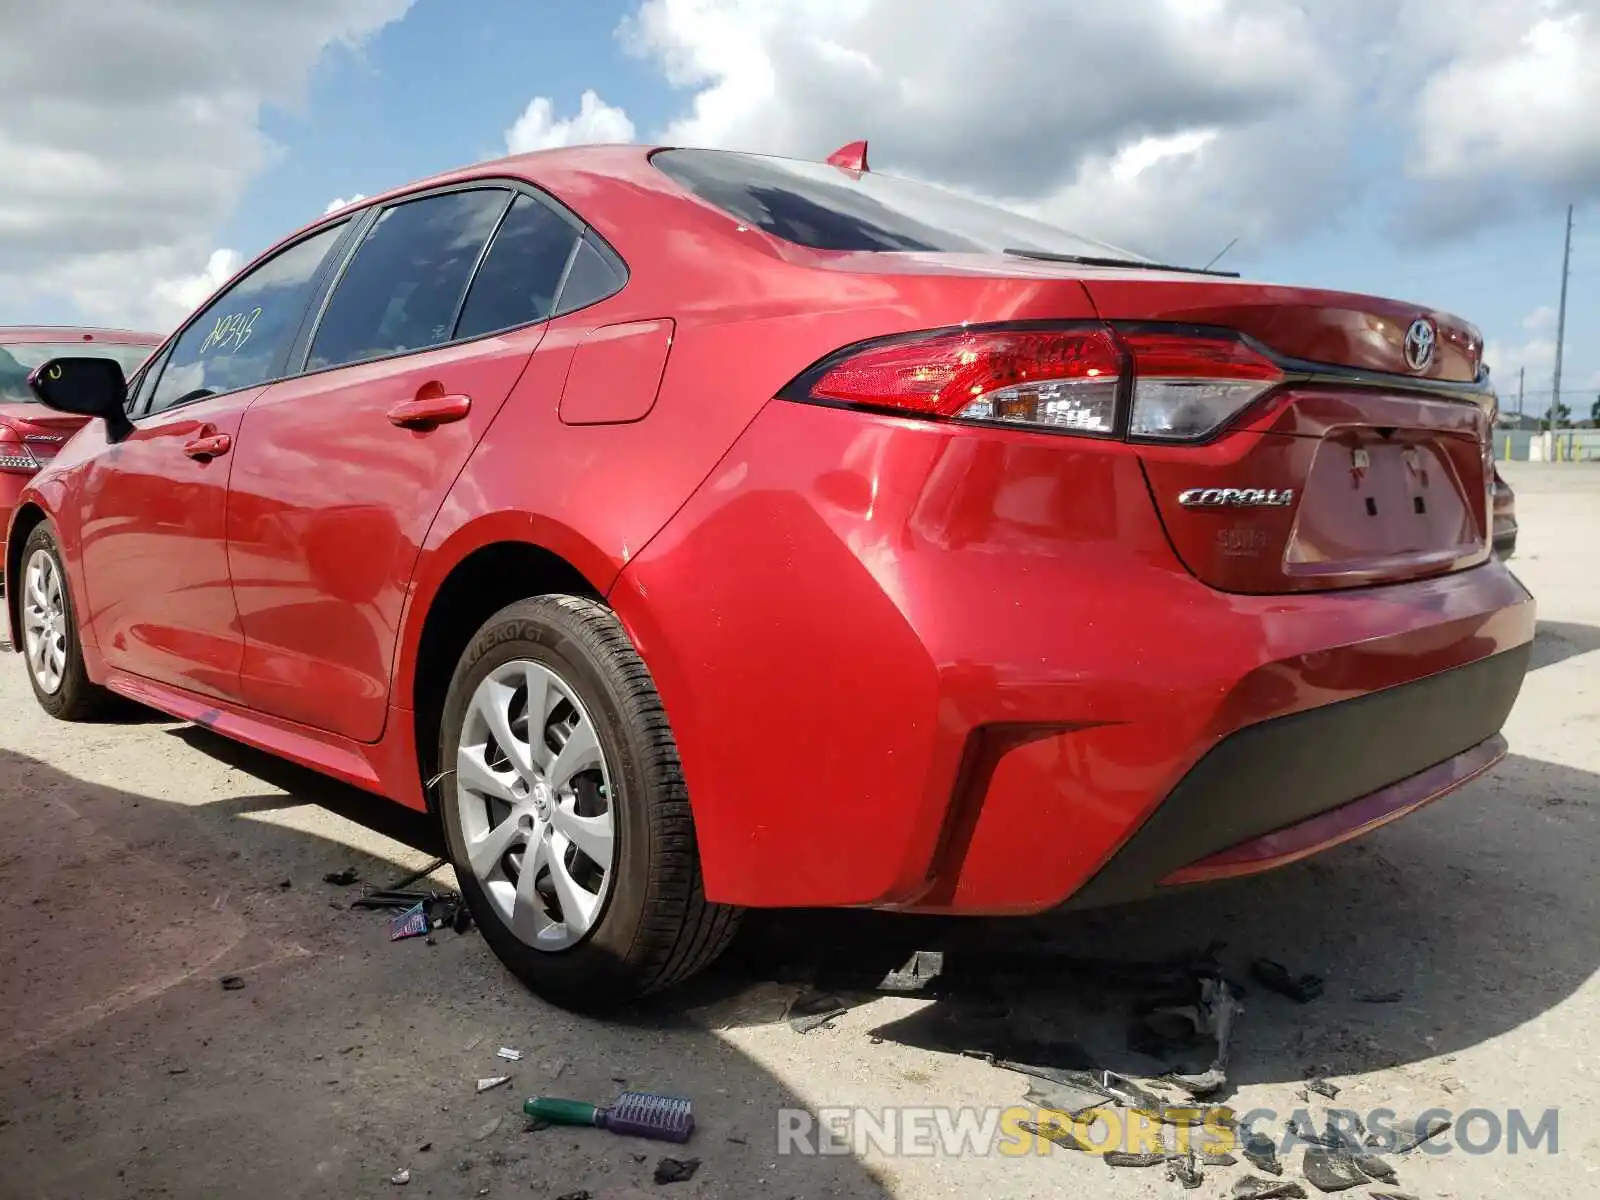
{"points": [[143, 861]]}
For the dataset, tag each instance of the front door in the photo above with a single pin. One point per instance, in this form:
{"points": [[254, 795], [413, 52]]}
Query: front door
{"points": [[341, 471], [154, 521], [155, 562]]}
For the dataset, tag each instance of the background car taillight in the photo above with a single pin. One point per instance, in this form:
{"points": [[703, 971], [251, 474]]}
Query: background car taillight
{"points": [[1095, 380], [15, 457]]}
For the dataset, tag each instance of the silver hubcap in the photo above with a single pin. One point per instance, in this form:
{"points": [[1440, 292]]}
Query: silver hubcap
{"points": [[533, 791], [44, 621]]}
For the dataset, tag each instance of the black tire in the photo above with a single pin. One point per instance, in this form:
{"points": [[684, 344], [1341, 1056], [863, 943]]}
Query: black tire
{"points": [[655, 927], [77, 698]]}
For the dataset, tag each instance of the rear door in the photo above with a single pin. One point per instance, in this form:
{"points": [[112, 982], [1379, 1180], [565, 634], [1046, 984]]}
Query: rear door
{"points": [[154, 505], [340, 471]]}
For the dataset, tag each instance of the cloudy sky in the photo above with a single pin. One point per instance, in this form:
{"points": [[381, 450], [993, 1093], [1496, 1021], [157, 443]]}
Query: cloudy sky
{"points": [[1425, 149]]}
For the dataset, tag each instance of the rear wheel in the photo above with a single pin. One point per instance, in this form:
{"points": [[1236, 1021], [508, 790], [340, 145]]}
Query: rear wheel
{"points": [[50, 643], [565, 810]]}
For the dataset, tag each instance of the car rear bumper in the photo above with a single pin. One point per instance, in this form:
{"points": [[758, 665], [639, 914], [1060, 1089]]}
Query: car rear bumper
{"points": [[1283, 789], [914, 667]]}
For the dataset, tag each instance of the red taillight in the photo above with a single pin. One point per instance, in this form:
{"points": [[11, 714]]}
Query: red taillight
{"points": [[1068, 380], [15, 457], [1186, 386]]}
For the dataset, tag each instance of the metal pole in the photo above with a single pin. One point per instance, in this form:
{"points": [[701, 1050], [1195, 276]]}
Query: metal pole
{"points": [[1521, 371], [1561, 325]]}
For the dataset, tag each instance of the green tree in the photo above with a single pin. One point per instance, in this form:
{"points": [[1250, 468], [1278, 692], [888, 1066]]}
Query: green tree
{"points": [[1563, 416]]}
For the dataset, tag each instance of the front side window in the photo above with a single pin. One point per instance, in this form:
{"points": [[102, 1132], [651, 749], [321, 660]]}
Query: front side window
{"points": [[827, 208], [237, 342], [403, 288], [18, 360]]}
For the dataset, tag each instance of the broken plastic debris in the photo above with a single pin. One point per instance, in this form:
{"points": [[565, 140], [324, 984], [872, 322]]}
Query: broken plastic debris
{"points": [[1217, 1009], [1064, 1098], [1322, 1087], [1122, 1158], [1384, 1194], [493, 1081], [1057, 1134], [1185, 1169], [231, 983], [1275, 977], [507, 1053], [1372, 1166], [1261, 1152], [1218, 1160], [342, 878], [1302, 1128], [400, 1178], [407, 880], [1251, 1188], [923, 967], [674, 1170], [1408, 1137], [1331, 1170], [812, 1011]]}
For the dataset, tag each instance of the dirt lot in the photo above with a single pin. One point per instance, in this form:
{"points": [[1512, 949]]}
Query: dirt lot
{"points": [[140, 862]]}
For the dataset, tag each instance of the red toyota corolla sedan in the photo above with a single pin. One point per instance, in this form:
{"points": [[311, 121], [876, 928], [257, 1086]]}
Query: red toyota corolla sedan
{"points": [[30, 433], [698, 530]]}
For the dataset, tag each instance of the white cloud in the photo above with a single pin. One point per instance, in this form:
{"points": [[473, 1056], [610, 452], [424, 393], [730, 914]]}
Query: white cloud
{"points": [[1541, 318], [1169, 126], [1525, 105], [183, 294], [539, 129], [339, 202], [130, 131], [1534, 355]]}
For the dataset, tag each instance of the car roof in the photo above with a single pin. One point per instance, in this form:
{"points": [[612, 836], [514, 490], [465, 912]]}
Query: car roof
{"points": [[604, 161], [78, 333]]}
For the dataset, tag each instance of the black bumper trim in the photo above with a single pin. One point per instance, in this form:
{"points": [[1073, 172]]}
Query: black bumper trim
{"points": [[1283, 771]]}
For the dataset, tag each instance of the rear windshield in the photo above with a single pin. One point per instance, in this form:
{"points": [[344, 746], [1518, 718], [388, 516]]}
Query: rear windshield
{"points": [[828, 208], [18, 359]]}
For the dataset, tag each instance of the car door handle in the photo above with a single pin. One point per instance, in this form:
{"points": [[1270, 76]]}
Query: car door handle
{"points": [[429, 411], [204, 448]]}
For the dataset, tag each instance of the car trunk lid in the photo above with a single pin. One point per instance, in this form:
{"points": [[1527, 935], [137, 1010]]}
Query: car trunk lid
{"points": [[1369, 463]]}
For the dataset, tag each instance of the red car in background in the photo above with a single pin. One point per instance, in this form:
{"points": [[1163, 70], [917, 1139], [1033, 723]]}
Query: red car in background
{"points": [[694, 530], [30, 433]]}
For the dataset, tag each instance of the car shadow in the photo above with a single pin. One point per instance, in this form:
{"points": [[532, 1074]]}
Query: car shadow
{"points": [[1431, 936], [193, 1011], [1557, 641], [418, 830]]}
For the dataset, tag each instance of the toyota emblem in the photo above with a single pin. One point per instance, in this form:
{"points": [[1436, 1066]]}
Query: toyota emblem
{"points": [[1420, 342]]}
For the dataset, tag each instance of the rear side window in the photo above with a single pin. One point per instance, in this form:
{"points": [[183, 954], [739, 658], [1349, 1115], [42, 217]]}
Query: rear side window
{"points": [[237, 342], [595, 274], [828, 208], [518, 280], [403, 288]]}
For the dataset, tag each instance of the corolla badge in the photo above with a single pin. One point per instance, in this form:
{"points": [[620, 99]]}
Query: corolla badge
{"points": [[1236, 498], [1420, 342]]}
